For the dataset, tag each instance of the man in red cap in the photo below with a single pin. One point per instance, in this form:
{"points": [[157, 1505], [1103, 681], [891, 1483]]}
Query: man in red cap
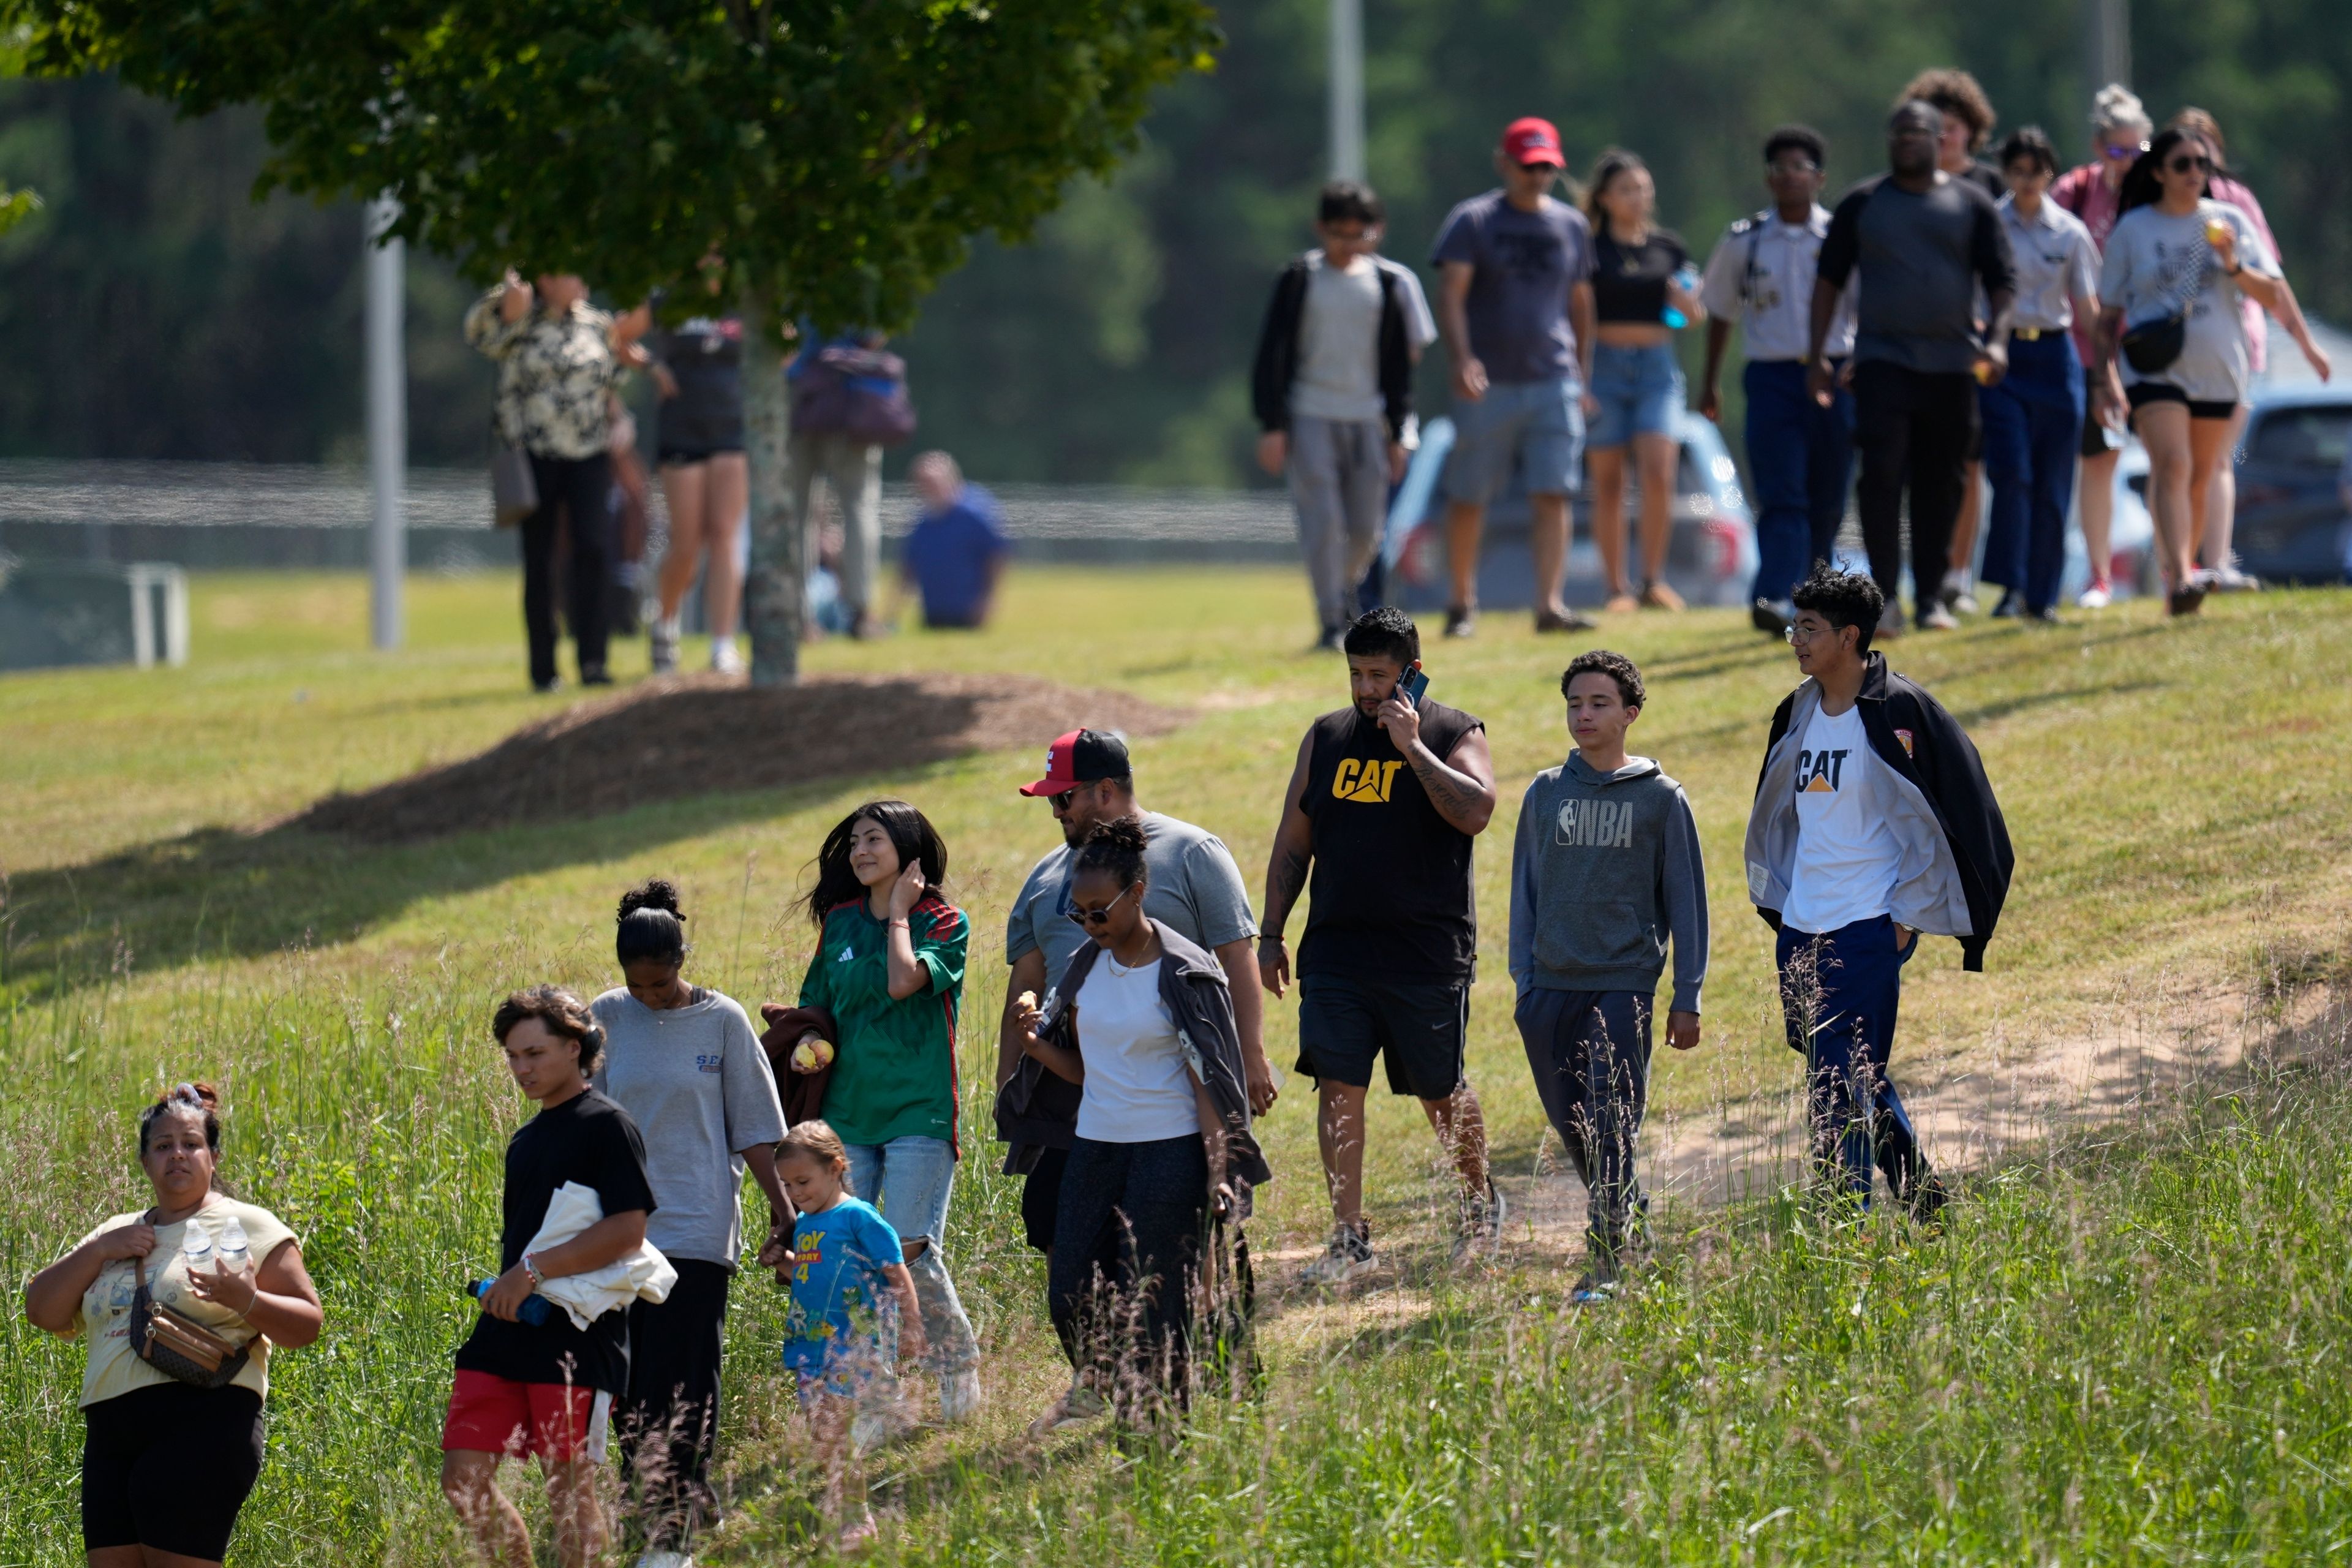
{"points": [[1194, 888], [1515, 307]]}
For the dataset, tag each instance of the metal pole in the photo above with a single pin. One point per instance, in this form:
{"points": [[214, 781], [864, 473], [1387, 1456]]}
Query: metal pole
{"points": [[1346, 89], [388, 425], [2106, 41]]}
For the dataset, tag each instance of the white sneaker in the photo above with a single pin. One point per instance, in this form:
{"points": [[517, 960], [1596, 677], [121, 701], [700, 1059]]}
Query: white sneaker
{"points": [[1957, 593], [2097, 596], [959, 1397], [2230, 580], [1937, 618], [725, 659], [664, 1559], [1349, 1255]]}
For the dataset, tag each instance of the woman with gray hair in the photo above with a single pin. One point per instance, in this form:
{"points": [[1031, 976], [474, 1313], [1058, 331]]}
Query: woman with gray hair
{"points": [[2092, 192]]}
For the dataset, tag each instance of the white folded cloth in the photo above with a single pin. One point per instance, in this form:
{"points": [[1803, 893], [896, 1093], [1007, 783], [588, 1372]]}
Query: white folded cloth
{"points": [[644, 1274]]}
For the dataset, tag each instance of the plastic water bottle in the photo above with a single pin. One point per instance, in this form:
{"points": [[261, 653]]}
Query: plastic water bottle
{"points": [[236, 1250], [535, 1309], [1685, 278], [197, 1246]]}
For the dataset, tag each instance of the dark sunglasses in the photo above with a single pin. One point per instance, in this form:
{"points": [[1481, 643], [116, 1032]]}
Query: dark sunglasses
{"points": [[2187, 162], [1091, 918], [1061, 803]]}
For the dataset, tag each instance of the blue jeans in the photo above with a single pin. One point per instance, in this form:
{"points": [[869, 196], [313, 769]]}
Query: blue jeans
{"points": [[2033, 421], [1640, 391], [908, 1179], [1840, 992], [1800, 459], [1535, 427]]}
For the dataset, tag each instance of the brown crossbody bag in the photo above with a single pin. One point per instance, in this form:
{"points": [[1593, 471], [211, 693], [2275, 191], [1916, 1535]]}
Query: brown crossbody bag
{"points": [[178, 1346]]}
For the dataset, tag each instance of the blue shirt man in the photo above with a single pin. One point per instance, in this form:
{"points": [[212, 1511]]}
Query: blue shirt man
{"points": [[956, 553]]}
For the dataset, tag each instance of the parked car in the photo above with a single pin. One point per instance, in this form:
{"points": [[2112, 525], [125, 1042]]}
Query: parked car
{"points": [[2293, 524], [1710, 553]]}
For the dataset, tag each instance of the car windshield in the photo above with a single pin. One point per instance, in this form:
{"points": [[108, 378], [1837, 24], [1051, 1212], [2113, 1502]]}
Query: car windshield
{"points": [[2304, 437]]}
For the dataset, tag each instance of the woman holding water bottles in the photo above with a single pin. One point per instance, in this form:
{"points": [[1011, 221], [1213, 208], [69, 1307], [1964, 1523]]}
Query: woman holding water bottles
{"points": [[1645, 289], [174, 1430]]}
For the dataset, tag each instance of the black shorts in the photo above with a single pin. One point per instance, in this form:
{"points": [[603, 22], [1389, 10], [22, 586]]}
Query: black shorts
{"points": [[1041, 1197], [685, 456], [168, 1467], [2094, 439], [1419, 1025], [2140, 393]]}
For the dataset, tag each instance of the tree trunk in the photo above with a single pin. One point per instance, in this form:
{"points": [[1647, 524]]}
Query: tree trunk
{"points": [[775, 593]]}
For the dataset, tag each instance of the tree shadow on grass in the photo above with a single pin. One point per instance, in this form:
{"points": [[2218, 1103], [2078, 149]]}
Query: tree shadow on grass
{"points": [[653, 765]]}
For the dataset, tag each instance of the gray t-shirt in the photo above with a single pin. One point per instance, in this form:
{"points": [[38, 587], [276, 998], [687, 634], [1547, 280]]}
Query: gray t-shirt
{"points": [[699, 1087], [2155, 264], [1195, 891], [1526, 264], [1339, 337], [1923, 257]]}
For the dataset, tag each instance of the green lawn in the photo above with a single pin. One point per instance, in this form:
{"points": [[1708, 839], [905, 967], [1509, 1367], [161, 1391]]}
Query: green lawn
{"points": [[2180, 799]]}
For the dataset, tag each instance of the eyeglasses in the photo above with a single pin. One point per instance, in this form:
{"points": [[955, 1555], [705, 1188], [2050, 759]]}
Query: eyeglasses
{"points": [[1092, 917], [1793, 166], [2187, 162], [2114, 154], [1797, 634]]}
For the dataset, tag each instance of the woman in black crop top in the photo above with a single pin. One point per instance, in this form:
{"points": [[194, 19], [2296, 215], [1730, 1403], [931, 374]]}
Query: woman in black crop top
{"points": [[1642, 291]]}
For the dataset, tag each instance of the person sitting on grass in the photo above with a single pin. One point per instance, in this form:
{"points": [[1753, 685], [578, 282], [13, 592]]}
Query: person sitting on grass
{"points": [[1874, 821], [1163, 1157], [954, 558], [166, 1465], [889, 968], [547, 1388], [1605, 868], [852, 1296], [1385, 802]]}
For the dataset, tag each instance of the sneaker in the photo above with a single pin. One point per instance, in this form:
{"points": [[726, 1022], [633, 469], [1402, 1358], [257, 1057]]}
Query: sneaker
{"points": [[1771, 616], [665, 1559], [2187, 601], [857, 1537], [2047, 616], [2097, 596], [549, 687], [885, 1421], [1589, 1291], [726, 656], [1620, 604], [662, 637], [1075, 1409], [1333, 640], [2010, 607], [1926, 1200], [1479, 1225], [1957, 593], [1657, 595], [595, 675], [960, 1397], [1349, 1257], [1460, 622], [1935, 617], [1563, 621], [868, 626], [2228, 579], [1890, 622]]}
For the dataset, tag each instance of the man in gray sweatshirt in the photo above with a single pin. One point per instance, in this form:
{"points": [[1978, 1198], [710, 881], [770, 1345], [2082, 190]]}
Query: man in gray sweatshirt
{"points": [[1605, 867]]}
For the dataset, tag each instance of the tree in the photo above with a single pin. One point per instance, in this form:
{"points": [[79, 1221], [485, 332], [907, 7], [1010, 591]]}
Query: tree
{"points": [[838, 156]]}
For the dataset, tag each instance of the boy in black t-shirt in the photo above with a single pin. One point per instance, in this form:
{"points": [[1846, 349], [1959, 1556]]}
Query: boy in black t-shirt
{"points": [[547, 1388], [1387, 796]]}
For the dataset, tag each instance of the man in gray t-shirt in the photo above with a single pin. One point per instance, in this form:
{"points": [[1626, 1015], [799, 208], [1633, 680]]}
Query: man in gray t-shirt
{"points": [[1195, 889]]}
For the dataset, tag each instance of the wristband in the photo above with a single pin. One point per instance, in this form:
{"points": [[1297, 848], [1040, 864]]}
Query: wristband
{"points": [[908, 923], [531, 1266]]}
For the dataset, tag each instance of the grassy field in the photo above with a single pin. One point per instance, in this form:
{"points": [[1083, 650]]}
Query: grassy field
{"points": [[2123, 1350]]}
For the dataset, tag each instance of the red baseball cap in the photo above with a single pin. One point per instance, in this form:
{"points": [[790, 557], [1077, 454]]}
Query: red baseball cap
{"points": [[1533, 141], [1082, 756]]}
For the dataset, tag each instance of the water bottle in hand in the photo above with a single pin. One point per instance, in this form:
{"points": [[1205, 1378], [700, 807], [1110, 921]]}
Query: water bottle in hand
{"points": [[235, 1249], [535, 1309], [197, 1246], [1685, 278]]}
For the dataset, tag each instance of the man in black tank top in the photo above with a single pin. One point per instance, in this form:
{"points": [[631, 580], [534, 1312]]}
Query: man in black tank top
{"points": [[1382, 806]]}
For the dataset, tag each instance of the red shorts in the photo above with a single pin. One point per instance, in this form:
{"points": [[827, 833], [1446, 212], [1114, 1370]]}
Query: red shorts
{"points": [[555, 1421]]}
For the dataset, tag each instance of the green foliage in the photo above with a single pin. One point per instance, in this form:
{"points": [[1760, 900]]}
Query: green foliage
{"points": [[838, 157]]}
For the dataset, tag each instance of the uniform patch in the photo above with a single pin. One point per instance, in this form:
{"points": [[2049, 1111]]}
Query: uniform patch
{"points": [[1905, 736]]}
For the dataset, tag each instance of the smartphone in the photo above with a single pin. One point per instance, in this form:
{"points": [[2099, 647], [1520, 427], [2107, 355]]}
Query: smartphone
{"points": [[1411, 685]]}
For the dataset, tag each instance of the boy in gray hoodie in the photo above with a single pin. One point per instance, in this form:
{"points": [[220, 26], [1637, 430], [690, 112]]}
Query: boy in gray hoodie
{"points": [[1605, 867]]}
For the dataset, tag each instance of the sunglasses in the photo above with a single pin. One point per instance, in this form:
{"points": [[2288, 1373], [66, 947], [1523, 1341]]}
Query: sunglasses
{"points": [[1793, 166], [2116, 154], [1092, 917], [2187, 162]]}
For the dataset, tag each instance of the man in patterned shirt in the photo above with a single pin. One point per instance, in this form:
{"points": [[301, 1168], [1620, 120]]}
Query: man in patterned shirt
{"points": [[558, 358]]}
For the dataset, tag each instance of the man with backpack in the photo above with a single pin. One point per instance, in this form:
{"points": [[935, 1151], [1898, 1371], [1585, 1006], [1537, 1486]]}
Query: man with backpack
{"points": [[849, 401], [1332, 386]]}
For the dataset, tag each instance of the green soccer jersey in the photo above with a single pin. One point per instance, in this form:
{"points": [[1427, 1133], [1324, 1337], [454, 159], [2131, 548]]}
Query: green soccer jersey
{"points": [[896, 1074]]}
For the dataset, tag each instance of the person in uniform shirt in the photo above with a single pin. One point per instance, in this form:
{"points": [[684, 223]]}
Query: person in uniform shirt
{"points": [[1800, 453], [2033, 416]]}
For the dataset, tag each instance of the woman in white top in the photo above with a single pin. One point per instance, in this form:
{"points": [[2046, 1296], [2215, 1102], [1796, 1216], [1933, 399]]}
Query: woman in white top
{"points": [[2176, 268], [1147, 1168], [165, 1464]]}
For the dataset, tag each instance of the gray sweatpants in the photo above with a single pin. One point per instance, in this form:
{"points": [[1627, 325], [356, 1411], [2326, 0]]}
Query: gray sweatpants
{"points": [[852, 471], [1339, 482]]}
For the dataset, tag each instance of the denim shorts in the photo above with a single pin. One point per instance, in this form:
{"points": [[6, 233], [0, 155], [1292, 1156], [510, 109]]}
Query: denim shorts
{"points": [[1640, 391], [908, 1179], [1536, 426]]}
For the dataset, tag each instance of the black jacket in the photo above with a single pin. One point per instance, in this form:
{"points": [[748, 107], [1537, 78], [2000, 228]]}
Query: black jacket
{"points": [[1924, 749], [1276, 366], [1037, 1109]]}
